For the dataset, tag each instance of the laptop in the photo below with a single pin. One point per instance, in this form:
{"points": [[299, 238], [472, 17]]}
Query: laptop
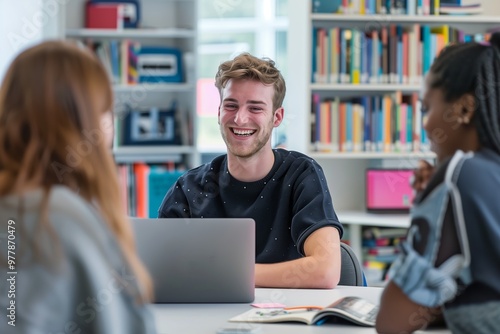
{"points": [[198, 260], [389, 190]]}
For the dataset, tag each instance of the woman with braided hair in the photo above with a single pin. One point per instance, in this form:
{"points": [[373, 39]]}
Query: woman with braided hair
{"points": [[448, 266]]}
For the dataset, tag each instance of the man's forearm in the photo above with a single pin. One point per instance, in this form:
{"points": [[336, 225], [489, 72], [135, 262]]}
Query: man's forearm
{"points": [[319, 269], [305, 273]]}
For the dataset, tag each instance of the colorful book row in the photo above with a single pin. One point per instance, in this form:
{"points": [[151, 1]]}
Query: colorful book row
{"points": [[394, 54], [143, 187], [380, 249], [119, 58], [367, 7], [388, 123]]}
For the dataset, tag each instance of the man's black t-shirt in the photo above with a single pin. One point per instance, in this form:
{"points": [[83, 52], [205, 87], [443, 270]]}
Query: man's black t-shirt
{"points": [[290, 203]]}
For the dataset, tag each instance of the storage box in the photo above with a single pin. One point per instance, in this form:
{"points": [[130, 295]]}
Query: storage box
{"points": [[100, 14], [104, 16], [159, 64]]}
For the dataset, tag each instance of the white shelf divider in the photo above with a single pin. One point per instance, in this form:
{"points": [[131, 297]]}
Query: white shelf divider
{"points": [[372, 155], [151, 154], [356, 219], [374, 219], [366, 88], [131, 33], [155, 87], [396, 19]]}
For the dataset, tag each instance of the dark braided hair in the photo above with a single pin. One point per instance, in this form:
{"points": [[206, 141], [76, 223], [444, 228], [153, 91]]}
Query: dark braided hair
{"points": [[473, 68]]}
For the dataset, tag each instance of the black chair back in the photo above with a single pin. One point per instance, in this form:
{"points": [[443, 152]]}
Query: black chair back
{"points": [[351, 272]]}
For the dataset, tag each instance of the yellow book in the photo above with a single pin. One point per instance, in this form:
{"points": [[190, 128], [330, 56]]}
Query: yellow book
{"points": [[362, 7], [444, 31], [356, 57]]}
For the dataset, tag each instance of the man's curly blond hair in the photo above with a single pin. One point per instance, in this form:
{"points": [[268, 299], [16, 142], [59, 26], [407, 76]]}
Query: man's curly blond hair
{"points": [[247, 67]]}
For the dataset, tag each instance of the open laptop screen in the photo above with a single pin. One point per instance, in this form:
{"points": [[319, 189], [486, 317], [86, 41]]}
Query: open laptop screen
{"points": [[198, 260]]}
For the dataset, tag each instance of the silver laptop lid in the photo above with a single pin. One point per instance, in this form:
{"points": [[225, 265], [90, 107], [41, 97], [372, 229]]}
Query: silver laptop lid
{"points": [[198, 260]]}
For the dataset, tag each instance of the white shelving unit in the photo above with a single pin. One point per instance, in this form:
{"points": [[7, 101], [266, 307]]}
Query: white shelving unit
{"points": [[168, 23], [152, 154], [378, 19], [357, 219], [345, 172], [364, 88], [131, 33]]}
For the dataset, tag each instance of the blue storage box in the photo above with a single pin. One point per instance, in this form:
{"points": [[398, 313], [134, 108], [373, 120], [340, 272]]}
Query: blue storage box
{"points": [[159, 64]]}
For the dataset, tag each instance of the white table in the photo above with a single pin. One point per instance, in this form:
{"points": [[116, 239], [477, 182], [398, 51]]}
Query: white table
{"points": [[207, 318]]}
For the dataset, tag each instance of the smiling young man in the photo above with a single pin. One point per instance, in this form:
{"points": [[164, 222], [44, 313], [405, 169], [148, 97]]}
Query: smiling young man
{"points": [[285, 192]]}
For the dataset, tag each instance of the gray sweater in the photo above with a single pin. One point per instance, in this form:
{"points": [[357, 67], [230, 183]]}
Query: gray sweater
{"points": [[76, 282]]}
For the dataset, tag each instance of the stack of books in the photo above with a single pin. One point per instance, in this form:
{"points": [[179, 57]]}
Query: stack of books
{"points": [[460, 7]]}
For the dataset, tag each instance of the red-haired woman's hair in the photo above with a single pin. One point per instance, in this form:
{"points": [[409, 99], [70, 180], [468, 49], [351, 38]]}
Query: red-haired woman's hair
{"points": [[52, 102]]}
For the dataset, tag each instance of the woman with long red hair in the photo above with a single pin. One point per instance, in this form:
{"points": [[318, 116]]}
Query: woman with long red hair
{"points": [[69, 244]]}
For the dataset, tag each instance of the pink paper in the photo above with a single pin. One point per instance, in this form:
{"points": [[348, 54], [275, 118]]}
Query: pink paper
{"points": [[268, 305]]}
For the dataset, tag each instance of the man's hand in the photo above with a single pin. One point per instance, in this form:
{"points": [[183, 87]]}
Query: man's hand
{"points": [[318, 269], [422, 175]]}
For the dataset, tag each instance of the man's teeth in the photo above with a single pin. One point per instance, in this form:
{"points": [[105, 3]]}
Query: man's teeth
{"points": [[243, 132]]}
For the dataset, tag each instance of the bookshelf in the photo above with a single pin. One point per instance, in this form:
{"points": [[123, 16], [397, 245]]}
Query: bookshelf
{"points": [[163, 23], [345, 171], [147, 166]]}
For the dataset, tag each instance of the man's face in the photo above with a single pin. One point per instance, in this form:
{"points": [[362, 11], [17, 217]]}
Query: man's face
{"points": [[246, 117]]}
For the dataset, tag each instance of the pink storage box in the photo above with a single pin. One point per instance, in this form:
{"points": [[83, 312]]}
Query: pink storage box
{"points": [[389, 190]]}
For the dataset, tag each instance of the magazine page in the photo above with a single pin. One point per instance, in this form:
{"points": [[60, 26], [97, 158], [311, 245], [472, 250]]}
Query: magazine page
{"points": [[354, 309], [276, 315]]}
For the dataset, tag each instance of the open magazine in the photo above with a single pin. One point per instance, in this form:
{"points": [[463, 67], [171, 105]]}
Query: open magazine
{"points": [[355, 310]]}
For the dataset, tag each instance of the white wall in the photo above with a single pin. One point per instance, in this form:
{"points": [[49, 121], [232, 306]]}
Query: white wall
{"points": [[491, 7], [24, 23]]}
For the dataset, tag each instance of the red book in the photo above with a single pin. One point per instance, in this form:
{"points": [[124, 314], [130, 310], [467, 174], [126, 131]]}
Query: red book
{"points": [[104, 16], [141, 171]]}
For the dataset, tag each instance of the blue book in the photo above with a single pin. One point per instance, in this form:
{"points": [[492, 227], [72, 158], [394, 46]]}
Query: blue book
{"points": [[399, 59], [380, 126], [374, 122], [411, 7], [343, 58], [426, 48], [349, 125], [114, 49], [380, 53], [159, 182], [409, 125], [366, 102], [369, 57], [433, 51], [326, 6], [317, 114]]}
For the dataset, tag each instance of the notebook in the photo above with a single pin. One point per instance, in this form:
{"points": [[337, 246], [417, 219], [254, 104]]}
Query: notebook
{"points": [[198, 260], [389, 190]]}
